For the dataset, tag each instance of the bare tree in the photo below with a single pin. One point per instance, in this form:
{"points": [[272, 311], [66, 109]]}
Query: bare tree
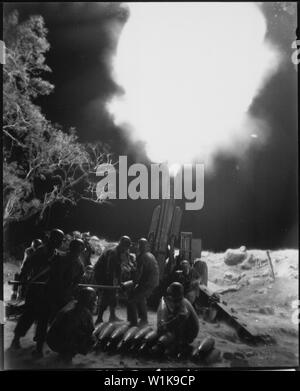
{"points": [[42, 163]]}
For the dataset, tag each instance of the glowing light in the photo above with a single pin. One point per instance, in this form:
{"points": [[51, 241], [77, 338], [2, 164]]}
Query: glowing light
{"points": [[190, 72]]}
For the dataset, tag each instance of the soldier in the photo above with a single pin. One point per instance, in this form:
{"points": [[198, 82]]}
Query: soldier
{"points": [[66, 243], [36, 268], [88, 276], [19, 291], [71, 332], [107, 270], [190, 280], [128, 267], [177, 317], [201, 268], [76, 235], [87, 250], [30, 250], [145, 281], [65, 273]]}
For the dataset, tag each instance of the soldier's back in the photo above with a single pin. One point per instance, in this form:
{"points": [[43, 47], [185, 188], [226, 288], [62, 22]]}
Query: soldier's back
{"points": [[103, 265], [149, 276]]}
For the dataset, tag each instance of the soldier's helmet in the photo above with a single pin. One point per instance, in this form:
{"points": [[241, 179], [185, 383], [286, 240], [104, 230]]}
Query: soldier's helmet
{"points": [[143, 244], [184, 265], [87, 297], [56, 237], [76, 245], [175, 291], [76, 235], [36, 243], [125, 242]]}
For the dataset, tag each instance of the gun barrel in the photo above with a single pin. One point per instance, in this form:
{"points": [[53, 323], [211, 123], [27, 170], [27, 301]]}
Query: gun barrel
{"points": [[96, 286]]}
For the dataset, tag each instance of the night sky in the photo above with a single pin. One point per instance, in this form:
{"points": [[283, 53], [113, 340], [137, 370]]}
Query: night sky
{"points": [[250, 202]]}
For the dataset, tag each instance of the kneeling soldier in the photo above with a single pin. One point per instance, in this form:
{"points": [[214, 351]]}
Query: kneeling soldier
{"points": [[177, 317], [72, 330]]}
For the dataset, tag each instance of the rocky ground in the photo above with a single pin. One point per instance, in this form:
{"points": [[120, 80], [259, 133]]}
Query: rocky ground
{"points": [[269, 306]]}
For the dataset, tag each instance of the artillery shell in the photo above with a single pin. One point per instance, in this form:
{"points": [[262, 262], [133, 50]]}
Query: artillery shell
{"points": [[129, 335], [143, 348], [134, 346], [139, 338], [163, 343], [142, 333], [116, 335], [99, 329], [166, 339], [205, 347], [147, 341], [150, 337], [119, 331], [106, 332], [120, 344]]}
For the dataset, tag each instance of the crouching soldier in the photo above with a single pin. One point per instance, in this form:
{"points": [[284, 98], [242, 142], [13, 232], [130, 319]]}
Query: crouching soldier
{"points": [[71, 332], [201, 269], [176, 317], [145, 281], [190, 280]]}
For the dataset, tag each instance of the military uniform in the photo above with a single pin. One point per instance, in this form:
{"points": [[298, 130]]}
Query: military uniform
{"points": [[190, 283], [27, 253], [146, 280], [36, 267], [65, 273], [72, 331], [107, 271], [86, 254], [182, 323]]}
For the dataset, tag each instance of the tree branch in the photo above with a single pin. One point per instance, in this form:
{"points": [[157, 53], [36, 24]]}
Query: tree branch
{"points": [[76, 181], [13, 138]]}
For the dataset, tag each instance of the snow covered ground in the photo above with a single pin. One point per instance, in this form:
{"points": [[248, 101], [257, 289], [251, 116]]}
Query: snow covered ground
{"points": [[270, 307]]}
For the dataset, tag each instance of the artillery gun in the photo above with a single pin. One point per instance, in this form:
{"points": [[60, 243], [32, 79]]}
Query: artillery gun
{"points": [[163, 233]]}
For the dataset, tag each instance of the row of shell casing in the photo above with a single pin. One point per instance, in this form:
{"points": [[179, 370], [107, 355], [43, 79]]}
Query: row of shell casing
{"points": [[121, 337]]}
